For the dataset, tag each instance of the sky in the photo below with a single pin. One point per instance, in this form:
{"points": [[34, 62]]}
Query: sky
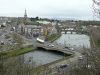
{"points": [[75, 9]]}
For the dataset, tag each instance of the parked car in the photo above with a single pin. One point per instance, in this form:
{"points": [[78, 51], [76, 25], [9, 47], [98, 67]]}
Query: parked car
{"points": [[51, 45], [63, 66]]}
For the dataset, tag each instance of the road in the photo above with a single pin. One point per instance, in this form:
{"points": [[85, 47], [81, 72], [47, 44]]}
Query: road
{"points": [[58, 69], [72, 60]]}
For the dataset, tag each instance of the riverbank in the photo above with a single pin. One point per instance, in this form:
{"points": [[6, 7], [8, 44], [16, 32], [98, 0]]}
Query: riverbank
{"points": [[51, 65], [93, 42], [16, 52], [71, 61], [53, 37], [23, 50]]}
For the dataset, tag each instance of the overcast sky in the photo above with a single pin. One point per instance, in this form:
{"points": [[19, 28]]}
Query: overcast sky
{"points": [[77, 9]]}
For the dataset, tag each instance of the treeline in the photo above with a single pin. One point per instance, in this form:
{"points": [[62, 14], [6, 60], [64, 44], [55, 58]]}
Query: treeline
{"points": [[89, 23], [43, 19]]}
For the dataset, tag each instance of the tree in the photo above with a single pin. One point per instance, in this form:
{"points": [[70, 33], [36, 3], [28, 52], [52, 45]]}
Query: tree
{"points": [[96, 8], [37, 18], [18, 40]]}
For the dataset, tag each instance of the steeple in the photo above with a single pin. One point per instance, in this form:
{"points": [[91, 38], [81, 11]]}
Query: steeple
{"points": [[25, 17]]}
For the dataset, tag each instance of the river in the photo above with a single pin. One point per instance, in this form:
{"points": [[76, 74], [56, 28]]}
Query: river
{"points": [[40, 57], [74, 40]]}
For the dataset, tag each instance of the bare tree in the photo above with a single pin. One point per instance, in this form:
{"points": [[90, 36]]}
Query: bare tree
{"points": [[96, 8]]}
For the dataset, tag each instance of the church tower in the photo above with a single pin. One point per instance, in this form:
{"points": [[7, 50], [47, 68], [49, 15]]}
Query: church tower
{"points": [[25, 17]]}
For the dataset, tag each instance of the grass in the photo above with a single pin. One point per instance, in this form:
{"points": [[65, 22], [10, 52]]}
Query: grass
{"points": [[94, 42], [53, 37], [17, 51]]}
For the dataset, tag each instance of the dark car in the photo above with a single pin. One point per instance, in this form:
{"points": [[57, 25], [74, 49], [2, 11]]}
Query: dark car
{"points": [[63, 66]]}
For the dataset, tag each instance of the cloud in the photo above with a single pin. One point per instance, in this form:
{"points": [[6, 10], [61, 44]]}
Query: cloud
{"points": [[68, 8]]}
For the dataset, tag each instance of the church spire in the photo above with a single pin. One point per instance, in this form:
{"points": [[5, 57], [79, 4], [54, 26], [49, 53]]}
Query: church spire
{"points": [[25, 17]]}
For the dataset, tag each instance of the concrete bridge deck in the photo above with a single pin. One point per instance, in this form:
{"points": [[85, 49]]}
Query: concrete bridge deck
{"points": [[55, 47]]}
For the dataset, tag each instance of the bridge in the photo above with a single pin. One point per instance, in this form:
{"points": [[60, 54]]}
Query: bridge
{"points": [[55, 47], [68, 30]]}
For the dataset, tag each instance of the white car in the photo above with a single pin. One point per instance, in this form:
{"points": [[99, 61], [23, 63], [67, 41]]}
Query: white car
{"points": [[51, 45], [72, 49], [80, 57]]}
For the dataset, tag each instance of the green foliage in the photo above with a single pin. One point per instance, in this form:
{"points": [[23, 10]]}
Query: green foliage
{"points": [[53, 37], [3, 53], [17, 51], [82, 71], [95, 35], [34, 19], [89, 23]]}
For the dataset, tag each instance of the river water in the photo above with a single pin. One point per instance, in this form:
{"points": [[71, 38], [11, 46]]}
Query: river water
{"points": [[40, 57], [74, 40]]}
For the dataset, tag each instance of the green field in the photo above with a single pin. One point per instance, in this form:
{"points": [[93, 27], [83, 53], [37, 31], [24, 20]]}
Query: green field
{"points": [[17, 51]]}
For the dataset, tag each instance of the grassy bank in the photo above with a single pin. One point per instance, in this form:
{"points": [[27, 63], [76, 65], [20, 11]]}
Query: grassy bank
{"points": [[17, 52], [53, 37], [94, 42]]}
